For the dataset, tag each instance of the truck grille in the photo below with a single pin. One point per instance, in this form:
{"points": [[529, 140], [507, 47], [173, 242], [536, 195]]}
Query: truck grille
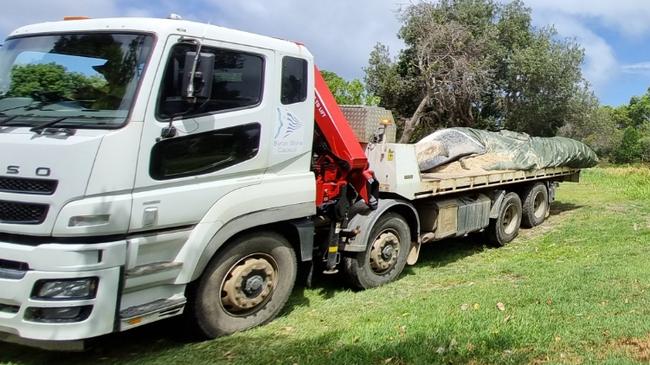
{"points": [[27, 186], [22, 213]]}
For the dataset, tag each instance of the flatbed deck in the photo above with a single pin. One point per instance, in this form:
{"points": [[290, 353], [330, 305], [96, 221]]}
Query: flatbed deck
{"points": [[396, 168], [447, 183]]}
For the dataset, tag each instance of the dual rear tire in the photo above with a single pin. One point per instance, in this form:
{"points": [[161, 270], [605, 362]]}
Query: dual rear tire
{"points": [[505, 227], [535, 206], [513, 214]]}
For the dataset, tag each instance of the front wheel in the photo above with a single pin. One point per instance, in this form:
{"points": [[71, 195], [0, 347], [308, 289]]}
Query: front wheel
{"points": [[385, 256], [246, 285]]}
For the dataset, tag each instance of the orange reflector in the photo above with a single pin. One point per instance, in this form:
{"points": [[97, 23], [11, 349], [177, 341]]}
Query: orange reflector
{"points": [[136, 320], [76, 17]]}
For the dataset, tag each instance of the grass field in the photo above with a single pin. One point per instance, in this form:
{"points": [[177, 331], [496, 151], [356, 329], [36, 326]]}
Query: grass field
{"points": [[575, 290]]}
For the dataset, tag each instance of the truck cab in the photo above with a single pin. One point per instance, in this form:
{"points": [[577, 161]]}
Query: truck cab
{"points": [[132, 150]]}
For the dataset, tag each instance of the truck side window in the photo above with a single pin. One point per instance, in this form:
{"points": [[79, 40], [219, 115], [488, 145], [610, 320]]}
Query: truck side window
{"points": [[203, 153], [238, 82], [294, 80]]}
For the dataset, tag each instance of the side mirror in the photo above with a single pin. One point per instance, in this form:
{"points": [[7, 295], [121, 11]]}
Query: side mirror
{"points": [[198, 73]]}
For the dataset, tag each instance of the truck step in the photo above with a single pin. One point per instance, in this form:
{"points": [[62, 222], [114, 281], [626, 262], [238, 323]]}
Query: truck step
{"points": [[153, 268], [159, 308]]}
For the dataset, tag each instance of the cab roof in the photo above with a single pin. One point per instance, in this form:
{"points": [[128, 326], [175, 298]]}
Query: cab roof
{"points": [[163, 28]]}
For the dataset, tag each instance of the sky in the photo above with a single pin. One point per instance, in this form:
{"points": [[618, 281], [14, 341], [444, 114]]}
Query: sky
{"points": [[341, 33]]}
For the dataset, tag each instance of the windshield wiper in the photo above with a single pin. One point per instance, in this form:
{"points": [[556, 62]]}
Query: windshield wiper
{"points": [[7, 118], [39, 129], [70, 131], [14, 107]]}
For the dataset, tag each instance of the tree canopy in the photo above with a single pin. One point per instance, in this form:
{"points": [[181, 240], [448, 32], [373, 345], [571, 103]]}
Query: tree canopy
{"points": [[53, 80], [479, 63], [348, 92]]}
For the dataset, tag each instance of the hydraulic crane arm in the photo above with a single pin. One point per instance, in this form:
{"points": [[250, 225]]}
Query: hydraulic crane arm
{"points": [[346, 163]]}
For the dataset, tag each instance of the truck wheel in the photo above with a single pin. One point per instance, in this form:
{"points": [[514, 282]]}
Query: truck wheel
{"points": [[535, 206], [246, 285], [385, 257], [505, 227]]}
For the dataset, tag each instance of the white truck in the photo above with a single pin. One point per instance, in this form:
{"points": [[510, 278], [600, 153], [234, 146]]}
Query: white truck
{"points": [[151, 167]]}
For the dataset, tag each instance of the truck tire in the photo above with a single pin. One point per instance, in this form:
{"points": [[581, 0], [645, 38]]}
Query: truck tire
{"points": [[385, 257], [535, 205], [246, 285], [505, 227]]}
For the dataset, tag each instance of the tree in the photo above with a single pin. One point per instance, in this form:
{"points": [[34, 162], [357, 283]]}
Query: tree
{"points": [[644, 146], [543, 85], [348, 92], [479, 63], [630, 149], [451, 66], [598, 129], [52, 80]]}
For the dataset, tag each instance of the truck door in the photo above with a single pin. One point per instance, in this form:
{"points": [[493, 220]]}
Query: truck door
{"points": [[219, 143]]}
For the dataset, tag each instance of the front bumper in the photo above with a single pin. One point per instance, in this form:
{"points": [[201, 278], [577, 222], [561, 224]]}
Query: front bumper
{"points": [[59, 261]]}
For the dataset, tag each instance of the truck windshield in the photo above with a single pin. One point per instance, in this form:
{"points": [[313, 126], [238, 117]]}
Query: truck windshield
{"points": [[89, 79]]}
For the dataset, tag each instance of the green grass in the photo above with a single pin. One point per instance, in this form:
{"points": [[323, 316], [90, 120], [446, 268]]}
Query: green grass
{"points": [[576, 290]]}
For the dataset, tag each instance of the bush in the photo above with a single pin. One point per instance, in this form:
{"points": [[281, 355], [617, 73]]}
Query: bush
{"points": [[644, 145], [630, 148]]}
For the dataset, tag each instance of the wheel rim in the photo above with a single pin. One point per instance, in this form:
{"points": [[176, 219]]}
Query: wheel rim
{"points": [[249, 284], [509, 221], [539, 205], [384, 252]]}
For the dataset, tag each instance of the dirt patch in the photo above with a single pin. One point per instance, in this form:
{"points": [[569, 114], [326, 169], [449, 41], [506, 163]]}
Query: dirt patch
{"points": [[557, 217], [618, 208], [636, 348], [560, 358]]}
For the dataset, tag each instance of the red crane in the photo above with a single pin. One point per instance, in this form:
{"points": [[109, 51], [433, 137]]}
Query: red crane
{"points": [[344, 164]]}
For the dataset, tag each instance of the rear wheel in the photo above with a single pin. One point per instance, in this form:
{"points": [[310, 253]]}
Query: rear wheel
{"points": [[385, 257], [505, 227], [246, 285], [535, 205]]}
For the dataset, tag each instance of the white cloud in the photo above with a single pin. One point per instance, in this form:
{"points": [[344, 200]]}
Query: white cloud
{"points": [[20, 13], [642, 68], [340, 33], [601, 65], [35, 11], [629, 17], [575, 20]]}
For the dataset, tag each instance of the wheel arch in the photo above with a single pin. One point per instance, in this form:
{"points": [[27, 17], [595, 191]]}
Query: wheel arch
{"points": [[366, 219], [299, 233]]}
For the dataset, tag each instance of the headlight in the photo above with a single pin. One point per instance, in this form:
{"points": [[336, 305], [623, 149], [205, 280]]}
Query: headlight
{"points": [[65, 289]]}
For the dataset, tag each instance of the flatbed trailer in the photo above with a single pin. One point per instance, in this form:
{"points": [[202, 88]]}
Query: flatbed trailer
{"points": [[453, 204], [396, 167]]}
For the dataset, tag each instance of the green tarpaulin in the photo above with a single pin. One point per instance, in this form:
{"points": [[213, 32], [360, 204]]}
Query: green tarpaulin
{"points": [[517, 151]]}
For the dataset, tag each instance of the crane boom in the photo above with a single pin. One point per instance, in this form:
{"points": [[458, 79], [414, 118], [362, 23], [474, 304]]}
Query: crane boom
{"points": [[347, 164]]}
